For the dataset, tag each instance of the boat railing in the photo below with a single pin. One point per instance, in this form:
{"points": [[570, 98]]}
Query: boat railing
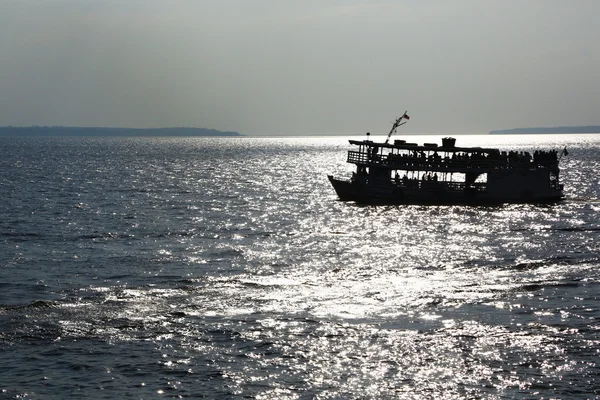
{"points": [[433, 185], [421, 184], [358, 157], [400, 162]]}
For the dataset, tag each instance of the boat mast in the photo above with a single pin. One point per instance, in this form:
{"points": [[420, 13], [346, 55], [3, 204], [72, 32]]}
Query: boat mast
{"points": [[396, 125]]}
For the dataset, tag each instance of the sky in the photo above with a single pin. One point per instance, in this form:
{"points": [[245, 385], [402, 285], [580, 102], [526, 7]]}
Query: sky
{"points": [[300, 67]]}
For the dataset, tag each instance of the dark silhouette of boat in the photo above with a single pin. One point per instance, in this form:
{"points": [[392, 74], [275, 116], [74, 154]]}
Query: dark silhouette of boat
{"points": [[408, 173]]}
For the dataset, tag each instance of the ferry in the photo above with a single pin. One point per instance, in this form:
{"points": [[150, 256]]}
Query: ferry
{"points": [[409, 173]]}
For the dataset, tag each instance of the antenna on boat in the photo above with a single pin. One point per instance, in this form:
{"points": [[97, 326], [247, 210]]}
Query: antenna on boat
{"points": [[396, 125]]}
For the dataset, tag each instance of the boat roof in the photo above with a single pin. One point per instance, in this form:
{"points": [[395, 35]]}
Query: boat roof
{"points": [[413, 146]]}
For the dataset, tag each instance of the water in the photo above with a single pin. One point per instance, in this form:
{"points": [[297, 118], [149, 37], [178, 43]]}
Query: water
{"points": [[226, 268]]}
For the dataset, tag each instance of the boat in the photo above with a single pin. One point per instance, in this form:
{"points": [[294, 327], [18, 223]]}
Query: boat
{"points": [[408, 173]]}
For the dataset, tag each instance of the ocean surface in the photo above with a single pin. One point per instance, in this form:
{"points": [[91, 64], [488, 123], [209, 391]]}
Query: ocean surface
{"points": [[226, 268]]}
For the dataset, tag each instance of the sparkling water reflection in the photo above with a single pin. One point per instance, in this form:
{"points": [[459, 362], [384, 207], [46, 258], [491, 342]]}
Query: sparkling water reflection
{"points": [[226, 268]]}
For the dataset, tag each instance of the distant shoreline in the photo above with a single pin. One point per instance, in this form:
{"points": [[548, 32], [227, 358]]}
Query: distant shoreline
{"points": [[98, 131], [556, 129]]}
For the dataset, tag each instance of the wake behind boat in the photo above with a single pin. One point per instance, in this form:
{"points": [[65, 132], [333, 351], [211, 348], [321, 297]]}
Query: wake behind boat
{"points": [[408, 173]]}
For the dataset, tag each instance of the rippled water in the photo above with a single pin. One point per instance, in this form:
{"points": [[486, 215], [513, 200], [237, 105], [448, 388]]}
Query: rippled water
{"points": [[226, 268]]}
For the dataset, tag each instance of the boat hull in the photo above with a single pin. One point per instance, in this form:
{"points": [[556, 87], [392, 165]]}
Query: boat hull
{"points": [[364, 193]]}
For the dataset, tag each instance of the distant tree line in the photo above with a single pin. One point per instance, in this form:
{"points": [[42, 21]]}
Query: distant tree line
{"points": [[557, 129], [92, 131]]}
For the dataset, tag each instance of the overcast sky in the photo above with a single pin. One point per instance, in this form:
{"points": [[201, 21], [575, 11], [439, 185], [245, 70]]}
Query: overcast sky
{"points": [[300, 67]]}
